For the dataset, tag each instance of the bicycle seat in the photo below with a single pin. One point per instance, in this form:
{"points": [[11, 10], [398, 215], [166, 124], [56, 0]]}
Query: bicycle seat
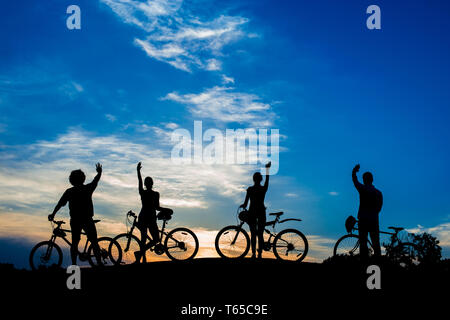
{"points": [[95, 221], [396, 229], [276, 213]]}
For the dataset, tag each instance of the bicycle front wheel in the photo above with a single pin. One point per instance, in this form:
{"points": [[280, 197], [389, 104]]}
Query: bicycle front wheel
{"points": [[129, 244], [347, 245], [232, 242], [290, 244], [45, 254], [181, 244], [106, 245]]}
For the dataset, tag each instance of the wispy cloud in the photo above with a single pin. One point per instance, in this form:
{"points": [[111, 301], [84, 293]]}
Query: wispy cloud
{"points": [[177, 37], [441, 231], [291, 195], [37, 174], [225, 104], [34, 176], [226, 79], [144, 14], [34, 81], [110, 117]]}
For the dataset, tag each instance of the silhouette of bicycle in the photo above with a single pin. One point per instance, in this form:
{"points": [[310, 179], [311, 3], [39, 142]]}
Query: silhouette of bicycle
{"points": [[179, 244], [401, 252], [233, 242], [48, 253]]}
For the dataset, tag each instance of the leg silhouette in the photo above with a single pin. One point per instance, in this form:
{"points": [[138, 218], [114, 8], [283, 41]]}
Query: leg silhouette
{"points": [[154, 231], [143, 241], [76, 235], [253, 236], [363, 249], [375, 237], [91, 233], [261, 224]]}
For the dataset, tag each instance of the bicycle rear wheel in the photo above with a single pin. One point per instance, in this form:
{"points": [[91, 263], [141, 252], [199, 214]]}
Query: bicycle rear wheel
{"points": [[348, 245], [290, 244], [106, 245], [232, 242], [45, 254], [181, 244], [129, 244]]}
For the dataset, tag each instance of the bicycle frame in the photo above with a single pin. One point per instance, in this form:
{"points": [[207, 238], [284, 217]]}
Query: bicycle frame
{"points": [[55, 235], [270, 223], [162, 233], [394, 236]]}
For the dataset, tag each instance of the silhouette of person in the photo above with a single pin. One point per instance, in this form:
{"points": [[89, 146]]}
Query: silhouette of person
{"points": [[147, 216], [370, 203], [257, 210], [81, 210]]}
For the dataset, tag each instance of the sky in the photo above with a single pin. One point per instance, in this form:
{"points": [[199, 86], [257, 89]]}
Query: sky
{"points": [[115, 90]]}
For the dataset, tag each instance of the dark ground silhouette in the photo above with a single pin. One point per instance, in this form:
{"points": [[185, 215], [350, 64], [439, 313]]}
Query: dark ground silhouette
{"points": [[335, 287]]}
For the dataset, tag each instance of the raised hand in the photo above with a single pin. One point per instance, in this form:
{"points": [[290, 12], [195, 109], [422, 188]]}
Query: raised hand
{"points": [[139, 166], [268, 164], [98, 167], [356, 168]]}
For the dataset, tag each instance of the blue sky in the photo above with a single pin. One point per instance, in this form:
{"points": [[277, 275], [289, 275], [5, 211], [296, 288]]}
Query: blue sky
{"points": [[340, 94]]}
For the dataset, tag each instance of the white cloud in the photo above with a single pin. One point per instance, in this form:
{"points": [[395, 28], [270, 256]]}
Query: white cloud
{"points": [[176, 37], [333, 193], [226, 79], [77, 86], [224, 104], [291, 195], [169, 53], [38, 81], [213, 65], [320, 248], [171, 125], [110, 117], [40, 176], [441, 232], [143, 14], [71, 89], [163, 133]]}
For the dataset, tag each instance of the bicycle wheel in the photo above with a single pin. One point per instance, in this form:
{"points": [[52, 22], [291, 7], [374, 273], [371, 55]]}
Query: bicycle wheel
{"points": [[181, 244], [348, 245], [232, 242], [104, 244], [290, 244], [129, 244], [45, 254]]}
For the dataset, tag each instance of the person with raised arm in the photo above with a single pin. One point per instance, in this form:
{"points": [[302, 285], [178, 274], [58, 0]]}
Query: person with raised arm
{"points": [[81, 210], [147, 216], [257, 210], [370, 204]]}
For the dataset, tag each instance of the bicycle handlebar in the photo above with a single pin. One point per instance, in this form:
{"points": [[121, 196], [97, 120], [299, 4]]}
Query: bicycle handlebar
{"points": [[131, 214], [58, 223]]}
